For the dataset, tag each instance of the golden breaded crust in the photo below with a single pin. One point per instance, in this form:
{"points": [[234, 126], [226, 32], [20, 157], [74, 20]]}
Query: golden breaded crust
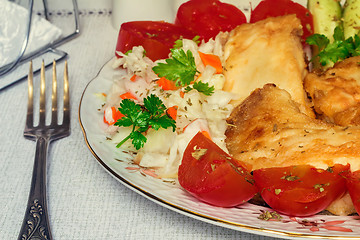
{"points": [[336, 92], [268, 130]]}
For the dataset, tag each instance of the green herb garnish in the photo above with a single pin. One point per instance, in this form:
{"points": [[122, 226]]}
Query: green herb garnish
{"points": [[339, 49], [181, 68], [127, 53], [201, 87], [142, 117], [179, 42], [130, 51], [196, 39]]}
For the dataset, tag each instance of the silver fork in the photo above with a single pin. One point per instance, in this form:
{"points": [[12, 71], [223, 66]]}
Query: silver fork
{"points": [[36, 221]]}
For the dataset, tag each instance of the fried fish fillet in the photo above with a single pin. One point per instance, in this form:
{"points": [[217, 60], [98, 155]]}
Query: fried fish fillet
{"points": [[268, 130], [268, 51], [336, 92]]}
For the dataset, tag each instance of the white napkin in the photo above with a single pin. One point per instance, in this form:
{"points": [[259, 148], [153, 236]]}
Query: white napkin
{"points": [[13, 22]]}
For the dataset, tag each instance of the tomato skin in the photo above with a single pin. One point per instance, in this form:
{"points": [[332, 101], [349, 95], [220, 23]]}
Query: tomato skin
{"points": [[300, 190], [266, 9], [213, 176], [208, 17], [353, 186], [156, 37]]}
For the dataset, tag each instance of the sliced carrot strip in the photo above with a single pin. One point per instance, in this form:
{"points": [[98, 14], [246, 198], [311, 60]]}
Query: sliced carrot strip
{"points": [[182, 94], [172, 112], [212, 60], [166, 84], [133, 78], [128, 95], [116, 115]]}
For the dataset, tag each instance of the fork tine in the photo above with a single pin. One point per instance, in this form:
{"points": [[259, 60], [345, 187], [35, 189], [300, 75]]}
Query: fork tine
{"points": [[43, 134], [30, 108], [66, 97], [54, 115], [42, 95]]}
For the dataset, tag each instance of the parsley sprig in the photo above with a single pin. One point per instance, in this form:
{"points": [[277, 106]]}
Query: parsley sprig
{"points": [[142, 117], [339, 49], [180, 68], [202, 88]]}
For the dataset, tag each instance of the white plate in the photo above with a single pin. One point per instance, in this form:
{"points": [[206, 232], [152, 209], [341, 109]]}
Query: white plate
{"points": [[169, 193]]}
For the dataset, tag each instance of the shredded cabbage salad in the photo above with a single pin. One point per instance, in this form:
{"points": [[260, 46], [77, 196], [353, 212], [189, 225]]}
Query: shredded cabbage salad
{"points": [[195, 111]]}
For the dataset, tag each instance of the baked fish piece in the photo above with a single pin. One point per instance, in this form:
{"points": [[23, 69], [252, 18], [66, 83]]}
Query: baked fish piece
{"points": [[268, 51], [336, 92], [268, 130]]}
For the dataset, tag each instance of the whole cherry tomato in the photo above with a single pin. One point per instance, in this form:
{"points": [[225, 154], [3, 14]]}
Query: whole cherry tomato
{"points": [[156, 37], [208, 17], [274, 8], [300, 190], [211, 175], [353, 186]]}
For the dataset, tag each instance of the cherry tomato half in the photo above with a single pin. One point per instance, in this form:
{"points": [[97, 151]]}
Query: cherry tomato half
{"points": [[156, 37], [300, 190], [208, 17], [211, 175], [275, 8], [353, 186]]}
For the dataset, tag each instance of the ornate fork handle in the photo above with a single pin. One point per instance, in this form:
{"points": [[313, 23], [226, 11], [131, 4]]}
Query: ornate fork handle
{"points": [[36, 221]]}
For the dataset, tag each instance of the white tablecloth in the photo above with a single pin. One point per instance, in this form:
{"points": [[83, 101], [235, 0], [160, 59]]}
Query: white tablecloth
{"points": [[84, 201]]}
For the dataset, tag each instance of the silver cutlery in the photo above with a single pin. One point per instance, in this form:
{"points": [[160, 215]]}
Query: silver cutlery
{"points": [[36, 221]]}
